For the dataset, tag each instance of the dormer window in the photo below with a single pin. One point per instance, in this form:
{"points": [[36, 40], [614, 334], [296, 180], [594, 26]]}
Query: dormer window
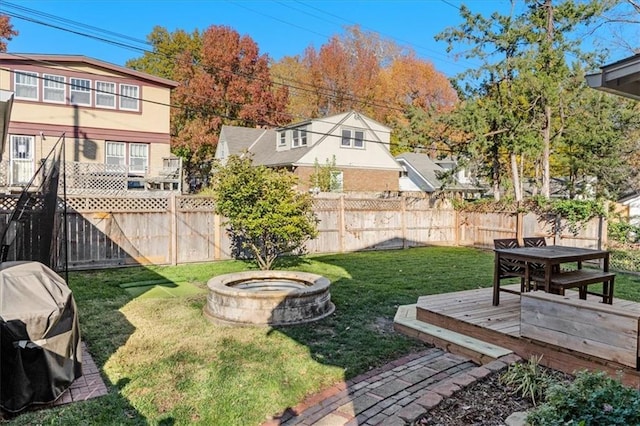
{"points": [[299, 138], [282, 138], [352, 138]]}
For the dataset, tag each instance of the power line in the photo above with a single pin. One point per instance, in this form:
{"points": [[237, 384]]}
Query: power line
{"points": [[318, 89], [313, 89], [272, 126], [407, 43], [63, 20]]}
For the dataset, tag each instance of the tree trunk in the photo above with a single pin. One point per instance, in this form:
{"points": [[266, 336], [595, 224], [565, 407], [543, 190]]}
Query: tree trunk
{"points": [[546, 131], [546, 152], [495, 174], [517, 188]]}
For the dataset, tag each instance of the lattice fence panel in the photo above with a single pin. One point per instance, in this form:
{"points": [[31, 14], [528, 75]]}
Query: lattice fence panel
{"points": [[418, 204], [96, 177], [4, 174], [118, 204], [326, 204], [8, 203], [373, 205], [195, 204]]}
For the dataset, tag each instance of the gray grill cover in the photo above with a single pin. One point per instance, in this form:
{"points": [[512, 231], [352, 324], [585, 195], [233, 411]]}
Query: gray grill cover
{"points": [[40, 336]]}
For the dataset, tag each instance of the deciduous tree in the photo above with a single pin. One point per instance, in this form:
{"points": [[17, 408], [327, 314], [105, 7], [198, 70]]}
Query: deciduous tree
{"points": [[6, 32], [223, 80], [360, 70], [167, 47], [265, 214]]}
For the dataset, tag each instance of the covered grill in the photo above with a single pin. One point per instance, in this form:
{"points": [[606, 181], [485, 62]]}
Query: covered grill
{"points": [[40, 337]]}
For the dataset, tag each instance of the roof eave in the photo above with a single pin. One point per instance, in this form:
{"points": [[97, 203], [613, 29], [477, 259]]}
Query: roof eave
{"points": [[620, 78], [53, 59]]}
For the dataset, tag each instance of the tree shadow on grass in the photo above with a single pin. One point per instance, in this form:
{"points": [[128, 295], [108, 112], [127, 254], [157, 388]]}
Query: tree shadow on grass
{"points": [[359, 337]]}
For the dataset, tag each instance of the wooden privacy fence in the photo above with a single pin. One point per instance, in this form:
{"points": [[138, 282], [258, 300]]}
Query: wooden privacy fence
{"points": [[113, 231]]}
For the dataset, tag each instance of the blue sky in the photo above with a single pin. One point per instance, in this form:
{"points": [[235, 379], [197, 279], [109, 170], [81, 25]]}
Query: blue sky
{"points": [[280, 27]]}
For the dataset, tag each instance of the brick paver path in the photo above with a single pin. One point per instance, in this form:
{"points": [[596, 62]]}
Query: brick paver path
{"points": [[396, 394]]}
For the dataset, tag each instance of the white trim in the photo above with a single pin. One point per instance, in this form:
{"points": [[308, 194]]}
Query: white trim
{"points": [[282, 138], [299, 137], [46, 79], [129, 98], [21, 163], [134, 168], [84, 90], [113, 156], [104, 94], [17, 86], [351, 138]]}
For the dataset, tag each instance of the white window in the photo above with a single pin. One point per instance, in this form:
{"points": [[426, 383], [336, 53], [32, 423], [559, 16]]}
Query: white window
{"points": [[346, 138], [105, 94], [26, 85], [138, 157], [352, 138], [53, 88], [21, 159], [282, 140], [80, 91], [358, 139], [129, 97], [299, 138], [115, 157]]}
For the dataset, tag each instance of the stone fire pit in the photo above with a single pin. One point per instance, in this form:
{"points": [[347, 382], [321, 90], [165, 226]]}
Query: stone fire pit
{"points": [[268, 298]]}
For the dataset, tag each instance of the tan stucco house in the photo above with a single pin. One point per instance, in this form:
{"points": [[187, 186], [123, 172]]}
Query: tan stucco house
{"points": [[112, 119], [357, 147]]}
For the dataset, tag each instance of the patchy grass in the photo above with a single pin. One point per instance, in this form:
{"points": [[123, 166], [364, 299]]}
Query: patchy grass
{"points": [[164, 363]]}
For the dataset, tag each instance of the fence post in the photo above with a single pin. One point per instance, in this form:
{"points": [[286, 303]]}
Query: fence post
{"points": [[519, 226], [341, 224], [173, 231], [217, 236], [458, 228], [403, 219]]}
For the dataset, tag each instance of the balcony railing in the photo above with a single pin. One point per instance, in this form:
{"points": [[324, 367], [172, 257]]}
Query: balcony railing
{"points": [[93, 178]]}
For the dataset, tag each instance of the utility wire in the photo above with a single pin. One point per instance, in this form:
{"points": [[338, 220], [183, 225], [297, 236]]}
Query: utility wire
{"points": [[272, 126], [294, 84], [405, 42]]}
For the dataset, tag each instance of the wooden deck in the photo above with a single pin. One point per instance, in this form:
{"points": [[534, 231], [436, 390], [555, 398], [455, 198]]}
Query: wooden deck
{"points": [[471, 314]]}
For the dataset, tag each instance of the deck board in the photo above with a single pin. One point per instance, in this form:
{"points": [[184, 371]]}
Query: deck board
{"points": [[472, 313]]}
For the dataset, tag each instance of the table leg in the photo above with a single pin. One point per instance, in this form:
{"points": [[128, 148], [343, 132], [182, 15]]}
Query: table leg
{"points": [[547, 276], [496, 280]]}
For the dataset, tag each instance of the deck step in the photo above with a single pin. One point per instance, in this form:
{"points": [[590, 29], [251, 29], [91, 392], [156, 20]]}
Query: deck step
{"points": [[482, 352]]}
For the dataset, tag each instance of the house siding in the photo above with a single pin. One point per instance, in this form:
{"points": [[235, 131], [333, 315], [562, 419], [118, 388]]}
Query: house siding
{"points": [[88, 128], [361, 180]]}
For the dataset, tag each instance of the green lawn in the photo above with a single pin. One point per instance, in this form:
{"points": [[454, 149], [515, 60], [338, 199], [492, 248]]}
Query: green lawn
{"points": [[165, 364]]}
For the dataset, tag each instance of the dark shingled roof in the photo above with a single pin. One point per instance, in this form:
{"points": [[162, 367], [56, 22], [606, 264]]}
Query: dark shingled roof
{"points": [[262, 144]]}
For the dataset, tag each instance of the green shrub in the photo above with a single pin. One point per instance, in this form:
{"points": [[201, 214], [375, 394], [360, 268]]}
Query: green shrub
{"points": [[623, 232], [591, 399], [529, 379]]}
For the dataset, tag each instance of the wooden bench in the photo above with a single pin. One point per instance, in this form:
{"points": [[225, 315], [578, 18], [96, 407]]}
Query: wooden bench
{"points": [[581, 279], [585, 326]]}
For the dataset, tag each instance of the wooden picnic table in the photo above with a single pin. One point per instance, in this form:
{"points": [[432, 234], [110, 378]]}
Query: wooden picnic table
{"points": [[550, 275]]}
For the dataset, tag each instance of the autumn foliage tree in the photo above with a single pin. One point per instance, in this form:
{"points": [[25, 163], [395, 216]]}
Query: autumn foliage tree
{"points": [[359, 70], [223, 80], [167, 47], [6, 32]]}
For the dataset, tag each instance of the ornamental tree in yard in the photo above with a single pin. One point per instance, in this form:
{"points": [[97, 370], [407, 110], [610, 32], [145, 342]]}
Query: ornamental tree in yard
{"points": [[265, 214]]}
